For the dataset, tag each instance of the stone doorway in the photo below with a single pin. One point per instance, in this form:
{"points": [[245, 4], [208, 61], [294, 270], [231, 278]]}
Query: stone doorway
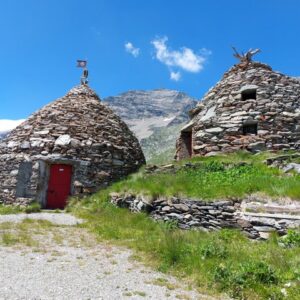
{"points": [[187, 141]]}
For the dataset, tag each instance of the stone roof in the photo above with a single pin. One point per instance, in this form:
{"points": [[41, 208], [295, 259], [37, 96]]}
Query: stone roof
{"points": [[218, 119], [80, 117]]}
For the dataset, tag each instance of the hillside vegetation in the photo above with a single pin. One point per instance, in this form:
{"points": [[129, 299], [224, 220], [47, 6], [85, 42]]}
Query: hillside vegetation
{"points": [[234, 175], [214, 262], [156, 151]]}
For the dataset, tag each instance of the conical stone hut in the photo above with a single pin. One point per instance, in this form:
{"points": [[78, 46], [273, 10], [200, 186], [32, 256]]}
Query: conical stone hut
{"points": [[74, 145], [251, 108]]}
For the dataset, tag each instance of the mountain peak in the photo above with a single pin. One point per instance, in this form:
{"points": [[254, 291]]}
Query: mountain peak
{"points": [[138, 104], [154, 116]]}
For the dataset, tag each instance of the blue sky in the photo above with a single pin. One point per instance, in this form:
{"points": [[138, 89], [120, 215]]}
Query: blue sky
{"points": [[190, 39]]}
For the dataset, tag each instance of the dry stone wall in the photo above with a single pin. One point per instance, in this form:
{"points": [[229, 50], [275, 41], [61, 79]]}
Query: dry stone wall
{"points": [[76, 129], [194, 214], [248, 98]]}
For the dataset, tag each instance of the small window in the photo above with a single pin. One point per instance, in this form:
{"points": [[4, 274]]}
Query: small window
{"points": [[250, 129], [249, 94]]}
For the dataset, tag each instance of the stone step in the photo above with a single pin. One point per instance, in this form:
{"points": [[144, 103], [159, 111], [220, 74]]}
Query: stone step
{"points": [[291, 209], [273, 216]]}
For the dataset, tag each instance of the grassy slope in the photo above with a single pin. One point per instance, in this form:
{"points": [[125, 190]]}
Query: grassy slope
{"points": [[216, 177], [215, 262], [157, 152]]}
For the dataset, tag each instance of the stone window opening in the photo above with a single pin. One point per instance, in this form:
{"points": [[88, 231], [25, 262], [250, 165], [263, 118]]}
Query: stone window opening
{"points": [[249, 94], [249, 128], [187, 140]]}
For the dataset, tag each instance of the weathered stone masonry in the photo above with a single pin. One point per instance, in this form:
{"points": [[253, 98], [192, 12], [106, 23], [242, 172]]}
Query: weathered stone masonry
{"points": [[201, 215], [77, 130], [252, 108]]}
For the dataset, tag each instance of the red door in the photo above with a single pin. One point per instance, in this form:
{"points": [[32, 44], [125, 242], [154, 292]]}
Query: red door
{"points": [[59, 186]]}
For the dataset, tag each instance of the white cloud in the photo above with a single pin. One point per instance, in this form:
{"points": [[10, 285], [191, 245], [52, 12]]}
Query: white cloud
{"points": [[7, 125], [185, 58], [132, 50], [175, 76]]}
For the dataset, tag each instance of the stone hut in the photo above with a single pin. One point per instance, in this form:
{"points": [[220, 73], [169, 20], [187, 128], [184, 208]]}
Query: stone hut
{"points": [[251, 108], [74, 145]]}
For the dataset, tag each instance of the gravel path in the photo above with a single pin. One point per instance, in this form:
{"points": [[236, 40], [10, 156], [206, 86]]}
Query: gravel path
{"points": [[68, 263], [55, 218]]}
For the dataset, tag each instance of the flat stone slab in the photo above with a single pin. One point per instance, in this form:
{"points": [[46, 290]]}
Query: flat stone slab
{"points": [[55, 218], [273, 216], [264, 228]]}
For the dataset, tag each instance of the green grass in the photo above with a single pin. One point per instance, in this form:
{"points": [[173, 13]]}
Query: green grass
{"points": [[27, 233], [157, 152], [228, 176], [162, 158], [22, 233], [33, 208], [9, 209], [215, 262], [14, 209]]}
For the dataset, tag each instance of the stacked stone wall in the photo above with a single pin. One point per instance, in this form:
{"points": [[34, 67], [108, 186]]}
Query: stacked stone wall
{"points": [[219, 118], [194, 214]]}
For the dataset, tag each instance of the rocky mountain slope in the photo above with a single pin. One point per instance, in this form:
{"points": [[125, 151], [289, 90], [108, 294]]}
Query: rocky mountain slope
{"points": [[155, 117]]}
